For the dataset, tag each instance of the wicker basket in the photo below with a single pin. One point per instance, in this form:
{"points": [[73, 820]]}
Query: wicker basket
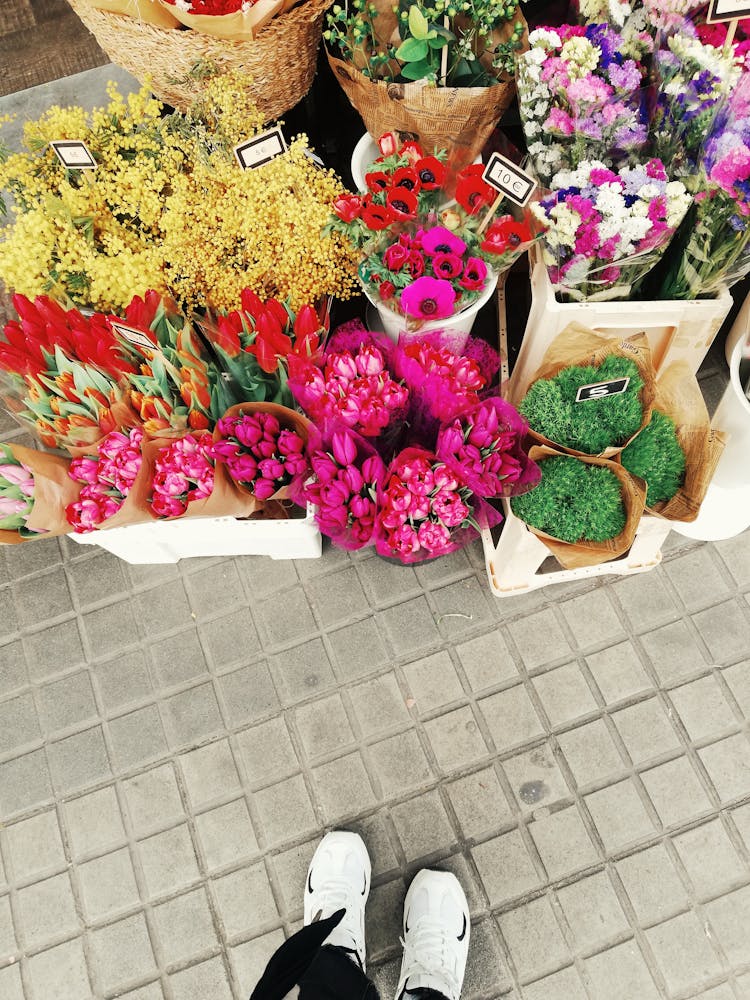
{"points": [[281, 60]]}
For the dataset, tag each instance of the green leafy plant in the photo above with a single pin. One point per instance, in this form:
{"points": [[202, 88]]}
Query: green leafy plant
{"points": [[482, 38], [656, 456], [593, 425], [574, 502]]}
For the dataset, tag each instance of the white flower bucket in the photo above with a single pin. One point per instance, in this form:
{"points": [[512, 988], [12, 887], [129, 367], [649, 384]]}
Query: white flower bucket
{"points": [[725, 511], [393, 323], [365, 153]]}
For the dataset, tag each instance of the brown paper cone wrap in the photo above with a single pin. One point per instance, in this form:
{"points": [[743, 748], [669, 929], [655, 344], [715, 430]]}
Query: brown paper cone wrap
{"points": [[574, 555], [147, 11], [226, 500], [577, 345], [287, 418], [240, 26], [679, 396], [459, 119], [53, 491]]}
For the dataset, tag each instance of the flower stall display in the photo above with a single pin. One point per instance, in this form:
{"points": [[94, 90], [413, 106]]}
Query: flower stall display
{"points": [[582, 96], [169, 209], [435, 72], [263, 448], [677, 453], [107, 476], [585, 510], [34, 489], [420, 263], [606, 229], [600, 422]]}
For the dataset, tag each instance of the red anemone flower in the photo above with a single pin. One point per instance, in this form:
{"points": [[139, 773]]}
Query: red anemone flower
{"points": [[402, 203], [472, 193], [348, 207], [406, 177], [377, 181], [377, 216], [505, 234], [431, 173]]}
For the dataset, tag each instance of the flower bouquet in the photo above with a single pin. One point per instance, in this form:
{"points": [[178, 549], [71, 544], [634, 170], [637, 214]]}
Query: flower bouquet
{"points": [[586, 510], [582, 97], [237, 20], [346, 477], [421, 264], [606, 229], [712, 247], [108, 474], [263, 447], [428, 71], [34, 489], [147, 11], [560, 417]]}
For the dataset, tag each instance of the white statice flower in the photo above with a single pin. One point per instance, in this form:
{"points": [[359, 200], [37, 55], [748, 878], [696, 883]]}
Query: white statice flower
{"points": [[609, 228], [726, 67], [545, 38], [610, 201], [634, 229], [649, 191], [639, 208], [678, 202], [566, 223], [532, 128], [582, 56]]}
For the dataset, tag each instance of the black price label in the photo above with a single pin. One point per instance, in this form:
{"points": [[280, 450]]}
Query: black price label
{"points": [[727, 10], [598, 390], [137, 337], [73, 154], [509, 179], [260, 149]]}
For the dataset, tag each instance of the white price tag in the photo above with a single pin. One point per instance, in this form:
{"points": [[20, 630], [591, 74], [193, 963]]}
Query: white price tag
{"points": [[73, 154], [597, 390], [137, 337], [727, 10], [260, 149], [509, 179]]}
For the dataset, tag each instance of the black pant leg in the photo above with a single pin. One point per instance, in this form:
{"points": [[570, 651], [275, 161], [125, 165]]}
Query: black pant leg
{"points": [[332, 975]]}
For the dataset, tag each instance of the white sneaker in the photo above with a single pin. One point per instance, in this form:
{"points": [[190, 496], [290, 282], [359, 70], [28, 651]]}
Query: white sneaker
{"points": [[339, 878], [436, 935]]}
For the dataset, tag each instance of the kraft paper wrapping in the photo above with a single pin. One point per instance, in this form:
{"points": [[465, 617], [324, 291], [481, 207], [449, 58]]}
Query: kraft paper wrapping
{"points": [[239, 26], [574, 555], [226, 499], [148, 11], [287, 418], [679, 396], [53, 491], [123, 418], [459, 119], [577, 345]]}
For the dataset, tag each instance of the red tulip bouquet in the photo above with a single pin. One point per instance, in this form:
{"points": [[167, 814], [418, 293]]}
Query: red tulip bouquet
{"points": [[423, 259]]}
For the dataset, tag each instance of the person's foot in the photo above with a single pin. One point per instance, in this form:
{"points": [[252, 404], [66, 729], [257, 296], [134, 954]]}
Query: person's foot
{"points": [[339, 878], [436, 936]]}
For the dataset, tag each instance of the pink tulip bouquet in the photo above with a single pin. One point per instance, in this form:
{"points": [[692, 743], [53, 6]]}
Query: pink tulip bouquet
{"points": [[347, 475], [424, 510], [16, 493], [107, 479], [183, 472], [263, 447], [483, 448]]}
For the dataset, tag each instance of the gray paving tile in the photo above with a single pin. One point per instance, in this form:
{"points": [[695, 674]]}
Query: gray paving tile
{"points": [[676, 792], [536, 779], [653, 885], [249, 959], [303, 671], [646, 599], [710, 859], [123, 681], [593, 912], [696, 578], [462, 607], [383, 917], [433, 681], [260, 767], [456, 740], [226, 834], [24, 783], [210, 773], [14, 674], [486, 661], [726, 631], [338, 597], [206, 979], [323, 726], [19, 724], [375, 832], [163, 610], [436, 571], [422, 826], [728, 766], [343, 788], [137, 738], [539, 638], [285, 811], [505, 867], [410, 627], [618, 672], [60, 972], [98, 579], [185, 927], [39, 598], [479, 803], [534, 940], [620, 974], [264, 576], [233, 893], [47, 911], [379, 705], [122, 953], [592, 619], [54, 650], [563, 843], [291, 867], [153, 799], [591, 753], [110, 629], [94, 822], [67, 702], [284, 622], [28, 559], [214, 589], [8, 941], [735, 554], [729, 917], [8, 615], [193, 716], [674, 652], [358, 650], [563, 985], [400, 764], [683, 952], [738, 679], [646, 731], [177, 659], [231, 640], [564, 694], [249, 693], [386, 582], [620, 816], [108, 886], [511, 717], [168, 861]]}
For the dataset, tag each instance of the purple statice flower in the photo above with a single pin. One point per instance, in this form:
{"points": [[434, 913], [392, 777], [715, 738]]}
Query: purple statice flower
{"points": [[625, 77]]}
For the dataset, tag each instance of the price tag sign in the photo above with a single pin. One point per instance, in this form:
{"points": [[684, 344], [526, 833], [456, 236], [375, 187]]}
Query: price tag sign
{"points": [[137, 337], [727, 10], [73, 155], [260, 149], [509, 179], [598, 390]]}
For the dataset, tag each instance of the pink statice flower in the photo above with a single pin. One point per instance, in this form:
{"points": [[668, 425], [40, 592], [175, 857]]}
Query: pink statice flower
{"points": [[107, 478]]}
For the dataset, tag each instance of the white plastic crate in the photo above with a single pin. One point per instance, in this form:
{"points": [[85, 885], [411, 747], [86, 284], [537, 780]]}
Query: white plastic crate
{"points": [[170, 541], [677, 330], [515, 565]]}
